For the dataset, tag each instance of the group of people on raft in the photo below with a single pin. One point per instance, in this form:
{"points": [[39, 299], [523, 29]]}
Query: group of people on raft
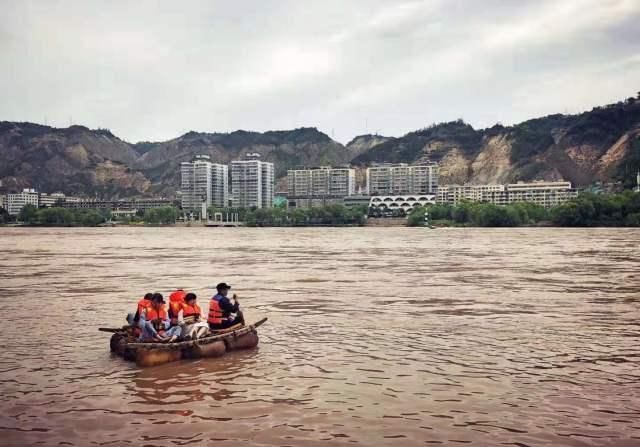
{"points": [[183, 319]]}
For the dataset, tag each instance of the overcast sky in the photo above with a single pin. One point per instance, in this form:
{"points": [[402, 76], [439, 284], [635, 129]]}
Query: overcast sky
{"points": [[152, 70]]}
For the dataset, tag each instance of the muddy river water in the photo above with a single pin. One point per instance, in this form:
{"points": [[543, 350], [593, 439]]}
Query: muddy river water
{"points": [[376, 336]]}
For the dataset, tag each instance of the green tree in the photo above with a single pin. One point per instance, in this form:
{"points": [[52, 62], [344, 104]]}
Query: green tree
{"points": [[577, 213], [632, 220], [4, 216], [462, 212], [163, 215], [90, 218], [440, 212], [28, 214], [416, 217], [56, 216]]}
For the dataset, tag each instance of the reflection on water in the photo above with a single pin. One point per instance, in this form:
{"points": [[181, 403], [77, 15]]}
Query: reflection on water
{"points": [[376, 336]]}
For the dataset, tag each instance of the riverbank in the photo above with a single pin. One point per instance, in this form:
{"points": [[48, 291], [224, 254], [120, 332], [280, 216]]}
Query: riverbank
{"points": [[588, 210]]}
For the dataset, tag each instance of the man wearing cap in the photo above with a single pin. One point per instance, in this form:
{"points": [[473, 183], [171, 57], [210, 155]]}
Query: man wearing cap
{"points": [[155, 323], [221, 309]]}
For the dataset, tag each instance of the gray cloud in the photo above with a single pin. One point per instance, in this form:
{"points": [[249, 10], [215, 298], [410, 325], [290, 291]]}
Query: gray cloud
{"points": [[153, 70]]}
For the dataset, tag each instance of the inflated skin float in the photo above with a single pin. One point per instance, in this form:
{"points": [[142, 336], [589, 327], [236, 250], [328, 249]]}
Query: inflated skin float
{"points": [[214, 345]]}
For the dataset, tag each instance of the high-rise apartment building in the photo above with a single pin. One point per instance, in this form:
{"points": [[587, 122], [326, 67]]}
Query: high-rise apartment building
{"points": [[203, 181], [252, 182], [402, 179], [323, 182], [219, 185]]}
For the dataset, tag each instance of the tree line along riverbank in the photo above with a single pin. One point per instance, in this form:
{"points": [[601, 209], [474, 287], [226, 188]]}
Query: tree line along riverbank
{"points": [[587, 210]]}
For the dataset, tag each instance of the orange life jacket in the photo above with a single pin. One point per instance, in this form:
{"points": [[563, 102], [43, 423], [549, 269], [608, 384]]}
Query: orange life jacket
{"points": [[142, 305], [191, 311], [176, 301], [156, 317], [216, 315]]}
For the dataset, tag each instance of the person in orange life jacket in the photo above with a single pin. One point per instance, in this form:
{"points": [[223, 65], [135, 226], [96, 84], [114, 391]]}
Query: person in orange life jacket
{"points": [[155, 323], [145, 302], [176, 301], [194, 327], [221, 309]]}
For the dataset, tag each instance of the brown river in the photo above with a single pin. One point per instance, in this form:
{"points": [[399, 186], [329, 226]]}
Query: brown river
{"points": [[376, 336]]}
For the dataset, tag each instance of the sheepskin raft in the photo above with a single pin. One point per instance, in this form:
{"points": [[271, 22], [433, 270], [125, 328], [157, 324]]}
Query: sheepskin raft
{"points": [[214, 345]]}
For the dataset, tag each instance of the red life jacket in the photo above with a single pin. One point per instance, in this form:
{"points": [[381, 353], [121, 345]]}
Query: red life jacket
{"points": [[191, 311], [216, 315], [176, 301], [156, 317]]}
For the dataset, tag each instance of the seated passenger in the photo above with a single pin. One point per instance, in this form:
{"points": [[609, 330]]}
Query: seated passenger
{"points": [[155, 324], [224, 313], [144, 302], [176, 301], [194, 327]]}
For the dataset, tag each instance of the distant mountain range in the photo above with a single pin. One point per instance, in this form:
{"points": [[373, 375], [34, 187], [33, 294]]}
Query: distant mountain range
{"points": [[599, 145]]}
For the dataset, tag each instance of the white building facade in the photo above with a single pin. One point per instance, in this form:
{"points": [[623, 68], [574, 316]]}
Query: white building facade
{"points": [[318, 186], [402, 179], [543, 193], [203, 181], [405, 203], [252, 183], [15, 202], [49, 200], [547, 194]]}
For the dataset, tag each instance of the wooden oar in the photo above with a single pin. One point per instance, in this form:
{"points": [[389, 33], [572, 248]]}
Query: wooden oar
{"points": [[111, 330]]}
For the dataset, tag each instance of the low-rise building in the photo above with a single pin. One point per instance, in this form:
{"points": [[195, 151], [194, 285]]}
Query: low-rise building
{"points": [[547, 194], [543, 193], [133, 204], [454, 194], [49, 200], [356, 200], [15, 202], [405, 203]]}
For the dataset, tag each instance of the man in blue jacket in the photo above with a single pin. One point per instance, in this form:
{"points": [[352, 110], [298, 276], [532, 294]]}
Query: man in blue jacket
{"points": [[224, 312]]}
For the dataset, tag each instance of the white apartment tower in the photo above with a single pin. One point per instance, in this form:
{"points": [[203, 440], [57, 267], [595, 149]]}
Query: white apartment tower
{"points": [[252, 182], [323, 182], [203, 181], [402, 179]]}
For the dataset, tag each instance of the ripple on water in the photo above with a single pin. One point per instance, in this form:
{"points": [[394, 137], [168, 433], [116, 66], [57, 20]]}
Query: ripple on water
{"points": [[377, 336]]}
